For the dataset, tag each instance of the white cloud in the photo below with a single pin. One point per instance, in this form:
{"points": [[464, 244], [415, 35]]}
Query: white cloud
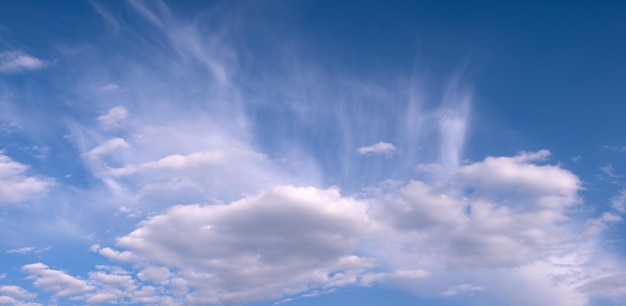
{"points": [[113, 254], [154, 274], [59, 282], [103, 298], [279, 242], [23, 250], [108, 146], [497, 218], [493, 222], [177, 161], [15, 185], [113, 118], [16, 61], [26, 250], [618, 203], [453, 121], [597, 225], [377, 148], [16, 292]]}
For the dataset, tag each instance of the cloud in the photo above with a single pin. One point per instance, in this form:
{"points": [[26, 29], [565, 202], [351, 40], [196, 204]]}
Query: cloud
{"points": [[618, 203], [56, 281], [113, 118], [26, 250], [108, 146], [380, 147], [499, 212], [178, 161], [460, 289], [16, 296], [499, 217], [597, 225], [17, 61], [453, 120], [110, 87], [113, 254], [15, 185], [266, 226], [16, 292], [614, 284], [288, 239], [608, 170]]}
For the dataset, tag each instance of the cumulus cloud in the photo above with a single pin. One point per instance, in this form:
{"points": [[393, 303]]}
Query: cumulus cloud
{"points": [[15, 185], [379, 147], [16, 292], [499, 218], [113, 118], [279, 242], [16, 61], [56, 281], [503, 211]]}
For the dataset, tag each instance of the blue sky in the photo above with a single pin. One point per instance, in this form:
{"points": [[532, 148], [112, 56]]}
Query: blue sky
{"points": [[312, 152]]}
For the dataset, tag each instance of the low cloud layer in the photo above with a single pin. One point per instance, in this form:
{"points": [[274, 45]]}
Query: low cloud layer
{"points": [[501, 214]]}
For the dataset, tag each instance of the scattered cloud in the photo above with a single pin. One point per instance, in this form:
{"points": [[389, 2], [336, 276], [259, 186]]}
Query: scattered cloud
{"points": [[194, 162], [618, 203], [17, 61], [597, 225], [18, 296], [108, 146], [56, 281], [26, 250], [297, 240], [113, 118], [377, 148], [15, 185]]}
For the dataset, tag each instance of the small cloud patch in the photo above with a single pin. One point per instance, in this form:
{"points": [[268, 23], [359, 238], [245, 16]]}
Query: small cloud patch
{"points": [[377, 148]]}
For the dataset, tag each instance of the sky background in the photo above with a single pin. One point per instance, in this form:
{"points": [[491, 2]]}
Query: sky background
{"points": [[312, 153]]}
